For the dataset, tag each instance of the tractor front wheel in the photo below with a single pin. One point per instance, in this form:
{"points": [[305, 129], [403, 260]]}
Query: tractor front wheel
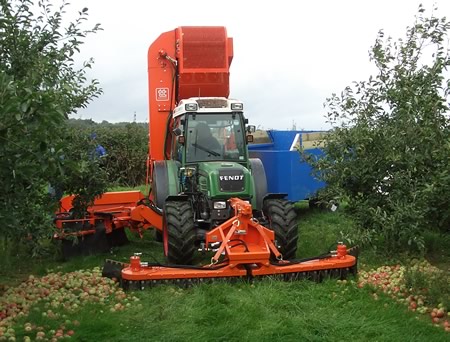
{"points": [[179, 233], [283, 221]]}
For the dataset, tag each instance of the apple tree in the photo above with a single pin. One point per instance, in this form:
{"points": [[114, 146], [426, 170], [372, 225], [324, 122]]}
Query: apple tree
{"points": [[388, 152], [40, 86]]}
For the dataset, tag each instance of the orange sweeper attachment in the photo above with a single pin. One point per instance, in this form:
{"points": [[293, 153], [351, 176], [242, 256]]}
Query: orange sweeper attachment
{"points": [[243, 249], [206, 193]]}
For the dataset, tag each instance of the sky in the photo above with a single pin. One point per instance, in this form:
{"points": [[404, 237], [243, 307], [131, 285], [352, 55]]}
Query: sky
{"points": [[289, 56]]}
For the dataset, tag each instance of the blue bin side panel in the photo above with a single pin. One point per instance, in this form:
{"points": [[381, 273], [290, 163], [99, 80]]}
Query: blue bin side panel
{"points": [[261, 147], [287, 173], [303, 185], [269, 160]]}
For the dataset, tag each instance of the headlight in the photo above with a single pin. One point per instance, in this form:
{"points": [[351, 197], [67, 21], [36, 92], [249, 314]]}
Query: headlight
{"points": [[220, 205], [191, 107], [237, 106], [188, 171]]}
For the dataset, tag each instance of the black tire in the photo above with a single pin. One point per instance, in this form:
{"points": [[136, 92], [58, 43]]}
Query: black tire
{"points": [[179, 233], [283, 221], [160, 183], [158, 236], [260, 179]]}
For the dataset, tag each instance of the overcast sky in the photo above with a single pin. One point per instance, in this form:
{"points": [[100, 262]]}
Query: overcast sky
{"points": [[289, 56]]}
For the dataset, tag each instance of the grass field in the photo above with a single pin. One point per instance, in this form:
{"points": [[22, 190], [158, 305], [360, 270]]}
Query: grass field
{"points": [[265, 311]]}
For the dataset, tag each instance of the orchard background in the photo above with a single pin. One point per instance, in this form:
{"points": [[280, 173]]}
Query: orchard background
{"points": [[386, 163]]}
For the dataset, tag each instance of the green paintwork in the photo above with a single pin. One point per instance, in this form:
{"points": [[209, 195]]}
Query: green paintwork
{"points": [[209, 180]]}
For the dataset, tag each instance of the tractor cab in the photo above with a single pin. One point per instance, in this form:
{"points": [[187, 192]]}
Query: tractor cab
{"points": [[215, 137], [209, 129]]}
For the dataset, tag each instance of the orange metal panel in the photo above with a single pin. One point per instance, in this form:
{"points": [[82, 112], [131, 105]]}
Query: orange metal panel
{"points": [[110, 200], [161, 97], [148, 273], [147, 217], [190, 61], [161, 273], [204, 57]]}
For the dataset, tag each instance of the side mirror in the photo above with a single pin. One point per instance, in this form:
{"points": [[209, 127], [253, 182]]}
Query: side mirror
{"points": [[249, 138], [251, 129], [177, 131]]}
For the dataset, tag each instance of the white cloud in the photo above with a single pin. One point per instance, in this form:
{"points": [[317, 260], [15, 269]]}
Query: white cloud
{"points": [[288, 56]]}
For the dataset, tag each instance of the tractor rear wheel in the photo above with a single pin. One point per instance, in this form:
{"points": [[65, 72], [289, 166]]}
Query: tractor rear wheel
{"points": [[179, 233], [283, 221], [260, 179], [158, 236]]}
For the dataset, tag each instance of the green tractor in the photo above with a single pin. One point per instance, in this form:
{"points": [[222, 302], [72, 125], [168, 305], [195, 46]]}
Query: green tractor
{"points": [[209, 164]]}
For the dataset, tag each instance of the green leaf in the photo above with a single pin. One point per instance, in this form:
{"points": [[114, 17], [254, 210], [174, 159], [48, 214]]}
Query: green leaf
{"points": [[43, 146], [24, 107], [390, 151]]}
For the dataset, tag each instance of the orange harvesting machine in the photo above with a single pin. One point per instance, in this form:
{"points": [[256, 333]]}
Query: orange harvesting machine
{"points": [[206, 193]]}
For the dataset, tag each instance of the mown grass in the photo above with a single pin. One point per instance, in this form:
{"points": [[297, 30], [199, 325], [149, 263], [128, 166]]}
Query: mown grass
{"points": [[265, 311]]}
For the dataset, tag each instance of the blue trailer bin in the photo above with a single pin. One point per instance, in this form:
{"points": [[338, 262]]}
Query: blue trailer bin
{"points": [[286, 172]]}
